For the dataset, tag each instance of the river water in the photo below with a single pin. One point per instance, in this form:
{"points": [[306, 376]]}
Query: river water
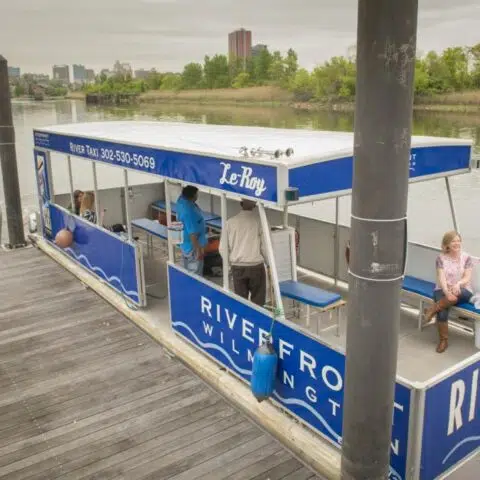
{"points": [[428, 211]]}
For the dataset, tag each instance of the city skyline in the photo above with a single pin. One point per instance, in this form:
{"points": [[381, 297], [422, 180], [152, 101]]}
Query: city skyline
{"points": [[54, 33]]}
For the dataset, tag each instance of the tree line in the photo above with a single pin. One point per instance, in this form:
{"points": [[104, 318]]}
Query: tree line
{"points": [[453, 70]]}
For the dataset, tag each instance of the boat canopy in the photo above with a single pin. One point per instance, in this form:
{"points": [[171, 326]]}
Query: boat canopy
{"points": [[272, 165]]}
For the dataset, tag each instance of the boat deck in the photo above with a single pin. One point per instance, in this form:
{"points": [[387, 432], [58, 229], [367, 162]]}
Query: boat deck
{"points": [[86, 394], [417, 358]]}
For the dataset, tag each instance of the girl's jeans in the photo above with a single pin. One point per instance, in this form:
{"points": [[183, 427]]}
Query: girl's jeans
{"points": [[464, 297]]}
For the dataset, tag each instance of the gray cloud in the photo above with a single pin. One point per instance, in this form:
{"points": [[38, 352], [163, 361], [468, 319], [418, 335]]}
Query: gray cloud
{"points": [[166, 34]]}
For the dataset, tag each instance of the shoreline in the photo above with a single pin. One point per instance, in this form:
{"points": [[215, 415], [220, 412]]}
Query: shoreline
{"points": [[272, 97]]}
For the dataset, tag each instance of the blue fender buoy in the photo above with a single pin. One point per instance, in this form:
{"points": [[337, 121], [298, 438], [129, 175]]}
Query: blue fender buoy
{"points": [[264, 371]]}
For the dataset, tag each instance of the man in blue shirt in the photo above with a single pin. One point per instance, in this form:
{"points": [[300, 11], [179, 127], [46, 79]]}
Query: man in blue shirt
{"points": [[194, 230]]}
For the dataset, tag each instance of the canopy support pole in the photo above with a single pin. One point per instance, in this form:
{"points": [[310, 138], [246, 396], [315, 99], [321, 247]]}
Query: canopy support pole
{"points": [[452, 205], [271, 259], [127, 205], [386, 47], [168, 207], [70, 179], [95, 192], [285, 216], [225, 256], [336, 248]]}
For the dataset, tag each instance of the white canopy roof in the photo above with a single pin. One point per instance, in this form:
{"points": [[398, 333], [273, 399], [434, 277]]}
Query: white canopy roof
{"points": [[225, 141]]}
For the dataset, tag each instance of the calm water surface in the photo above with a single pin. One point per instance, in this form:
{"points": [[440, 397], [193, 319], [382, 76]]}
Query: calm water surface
{"points": [[429, 214]]}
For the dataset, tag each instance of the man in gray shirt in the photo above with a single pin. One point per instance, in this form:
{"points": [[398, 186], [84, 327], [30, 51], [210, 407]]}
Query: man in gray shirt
{"points": [[242, 241]]}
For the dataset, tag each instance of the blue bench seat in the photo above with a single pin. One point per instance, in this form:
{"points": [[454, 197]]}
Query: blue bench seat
{"points": [[208, 216], [151, 227], [425, 289], [215, 223], [308, 294], [420, 287]]}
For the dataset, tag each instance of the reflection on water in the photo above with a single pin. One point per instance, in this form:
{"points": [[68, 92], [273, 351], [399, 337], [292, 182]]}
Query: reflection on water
{"points": [[425, 123], [427, 199]]}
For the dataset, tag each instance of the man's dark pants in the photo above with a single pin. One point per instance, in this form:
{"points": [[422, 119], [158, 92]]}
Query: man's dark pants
{"points": [[250, 280]]}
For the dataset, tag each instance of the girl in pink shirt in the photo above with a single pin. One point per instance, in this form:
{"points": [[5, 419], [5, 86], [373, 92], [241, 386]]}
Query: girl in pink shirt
{"points": [[454, 271]]}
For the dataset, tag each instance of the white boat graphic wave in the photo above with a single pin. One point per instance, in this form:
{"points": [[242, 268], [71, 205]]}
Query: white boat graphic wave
{"points": [[458, 445], [286, 401], [113, 279]]}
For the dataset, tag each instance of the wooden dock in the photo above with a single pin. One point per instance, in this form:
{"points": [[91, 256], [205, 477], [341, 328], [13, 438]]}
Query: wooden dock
{"points": [[86, 395]]}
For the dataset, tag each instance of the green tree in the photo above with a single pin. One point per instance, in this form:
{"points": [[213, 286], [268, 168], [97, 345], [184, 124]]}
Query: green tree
{"points": [[475, 56], [153, 80], [437, 73], [422, 78], [261, 65], [102, 78], [171, 81], [216, 71], [335, 79], [236, 66], [456, 63], [302, 85], [192, 76], [276, 72], [291, 65], [242, 80], [19, 90]]}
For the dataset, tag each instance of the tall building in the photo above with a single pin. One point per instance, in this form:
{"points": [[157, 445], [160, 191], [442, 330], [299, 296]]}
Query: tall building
{"points": [[240, 44], [40, 79], [142, 73], [122, 69], [79, 74], [106, 72], [61, 73], [90, 75], [14, 72], [256, 49]]}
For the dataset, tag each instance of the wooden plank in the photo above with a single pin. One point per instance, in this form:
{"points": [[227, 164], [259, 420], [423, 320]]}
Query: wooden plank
{"points": [[205, 412], [187, 458], [140, 458], [225, 465], [121, 379], [301, 474], [247, 467], [95, 371], [79, 447], [277, 467], [66, 365], [59, 414]]}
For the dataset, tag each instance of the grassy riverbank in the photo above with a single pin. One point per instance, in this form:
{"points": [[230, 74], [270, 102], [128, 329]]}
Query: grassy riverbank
{"points": [[468, 101]]}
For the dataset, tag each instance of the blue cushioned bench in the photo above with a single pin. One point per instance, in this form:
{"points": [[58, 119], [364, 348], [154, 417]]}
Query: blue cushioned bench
{"points": [[424, 288], [152, 228], [312, 297], [215, 223], [162, 206], [308, 294], [421, 263]]}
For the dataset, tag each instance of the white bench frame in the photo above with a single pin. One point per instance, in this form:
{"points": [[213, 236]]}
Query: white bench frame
{"points": [[421, 265]]}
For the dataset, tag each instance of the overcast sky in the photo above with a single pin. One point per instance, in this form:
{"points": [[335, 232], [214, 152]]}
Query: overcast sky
{"points": [[166, 34]]}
